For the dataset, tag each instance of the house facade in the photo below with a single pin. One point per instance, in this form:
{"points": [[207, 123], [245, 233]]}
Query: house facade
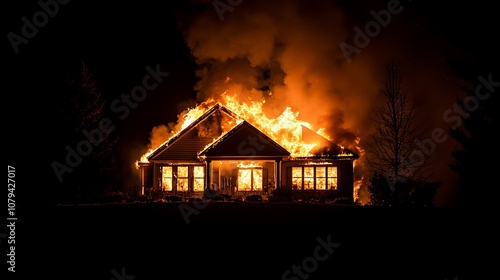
{"points": [[219, 151]]}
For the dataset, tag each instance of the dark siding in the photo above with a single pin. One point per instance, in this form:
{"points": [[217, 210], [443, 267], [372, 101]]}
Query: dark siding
{"points": [[345, 179], [186, 148]]}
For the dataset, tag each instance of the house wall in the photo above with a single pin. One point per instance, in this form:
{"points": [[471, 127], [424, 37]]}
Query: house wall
{"points": [[147, 179], [224, 178], [345, 180]]}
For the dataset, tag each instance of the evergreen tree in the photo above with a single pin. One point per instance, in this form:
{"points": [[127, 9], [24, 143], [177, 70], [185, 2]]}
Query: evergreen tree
{"points": [[82, 110]]}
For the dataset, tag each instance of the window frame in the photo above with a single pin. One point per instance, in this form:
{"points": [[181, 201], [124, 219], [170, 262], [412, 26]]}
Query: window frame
{"points": [[252, 182], [327, 179]]}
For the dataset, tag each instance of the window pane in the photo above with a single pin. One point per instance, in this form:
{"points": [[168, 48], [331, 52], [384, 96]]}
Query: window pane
{"points": [[309, 172], [198, 185], [297, 177], [332, 183], [166, 178], [320, 171], [332, 178], [182, 185], [244, 179], [199, 178], [321, 183], [182, 171], [257, 179], [199, 172], [308, 183], [320, 177], [308, 178], [332, 171]]}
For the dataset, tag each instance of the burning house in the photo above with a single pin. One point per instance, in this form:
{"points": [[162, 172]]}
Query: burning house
{"points": [[218, 149]]}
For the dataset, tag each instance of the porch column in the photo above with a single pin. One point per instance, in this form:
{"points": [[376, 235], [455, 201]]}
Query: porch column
{"points": [[143, 179], [156, 172], [208, 175], [277, 173]]}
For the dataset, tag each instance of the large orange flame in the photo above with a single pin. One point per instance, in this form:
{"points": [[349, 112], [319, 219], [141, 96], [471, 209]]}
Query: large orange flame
{"points": [[286, 129]]}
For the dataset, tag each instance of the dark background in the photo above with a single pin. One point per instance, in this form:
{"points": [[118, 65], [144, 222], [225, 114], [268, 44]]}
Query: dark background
{"points": [[118, 40]]}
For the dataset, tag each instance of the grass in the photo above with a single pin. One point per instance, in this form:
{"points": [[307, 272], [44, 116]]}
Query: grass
{"points": [[247, 240]]}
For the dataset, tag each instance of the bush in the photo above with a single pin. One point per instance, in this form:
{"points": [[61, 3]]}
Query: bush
{"points": [[254, 198], [405, 193], [112, 197], [343, 200], [143, 198], [195, 200], [173, 198], [222, 197], [156, 194], [281, 194]]}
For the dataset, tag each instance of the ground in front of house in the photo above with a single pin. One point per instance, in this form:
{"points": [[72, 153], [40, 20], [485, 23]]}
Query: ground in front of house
{"points": [[247, 240]]}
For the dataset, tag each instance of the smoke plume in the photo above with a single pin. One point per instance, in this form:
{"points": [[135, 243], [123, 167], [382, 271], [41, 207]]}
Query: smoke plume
{"points": [[288, 53]]}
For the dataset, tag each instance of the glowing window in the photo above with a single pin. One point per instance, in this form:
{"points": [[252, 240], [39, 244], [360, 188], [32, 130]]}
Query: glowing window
{"points": [[199, 178], [314, 177], [332, 177], [297, 177], [309, 178], [182, 178], [249, 179], [321, 177], [166, 178]]}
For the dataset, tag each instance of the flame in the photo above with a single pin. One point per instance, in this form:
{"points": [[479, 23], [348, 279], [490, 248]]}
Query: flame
{"points": [[249, 164], [358, 183], [144, 158], [250, 179], [286, 129], [357, 186]]}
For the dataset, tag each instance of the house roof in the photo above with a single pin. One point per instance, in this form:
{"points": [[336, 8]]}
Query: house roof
{"points": [[210, 136], [185, 145], [326, 148], [244, 141]]}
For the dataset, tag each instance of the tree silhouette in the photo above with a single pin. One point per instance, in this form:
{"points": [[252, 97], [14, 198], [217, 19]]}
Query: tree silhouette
{"points": [[396, 128], [390, 151], [81, 109]]}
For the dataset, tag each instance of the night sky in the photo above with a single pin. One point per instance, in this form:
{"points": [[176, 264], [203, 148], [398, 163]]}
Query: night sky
{"points": [[283, 39]]}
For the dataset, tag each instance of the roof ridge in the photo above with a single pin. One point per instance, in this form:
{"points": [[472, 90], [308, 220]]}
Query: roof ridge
{"points": [[190, 126]]}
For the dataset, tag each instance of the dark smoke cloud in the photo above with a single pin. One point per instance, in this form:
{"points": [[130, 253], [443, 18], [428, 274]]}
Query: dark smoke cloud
{"points": [[288, 52]]}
